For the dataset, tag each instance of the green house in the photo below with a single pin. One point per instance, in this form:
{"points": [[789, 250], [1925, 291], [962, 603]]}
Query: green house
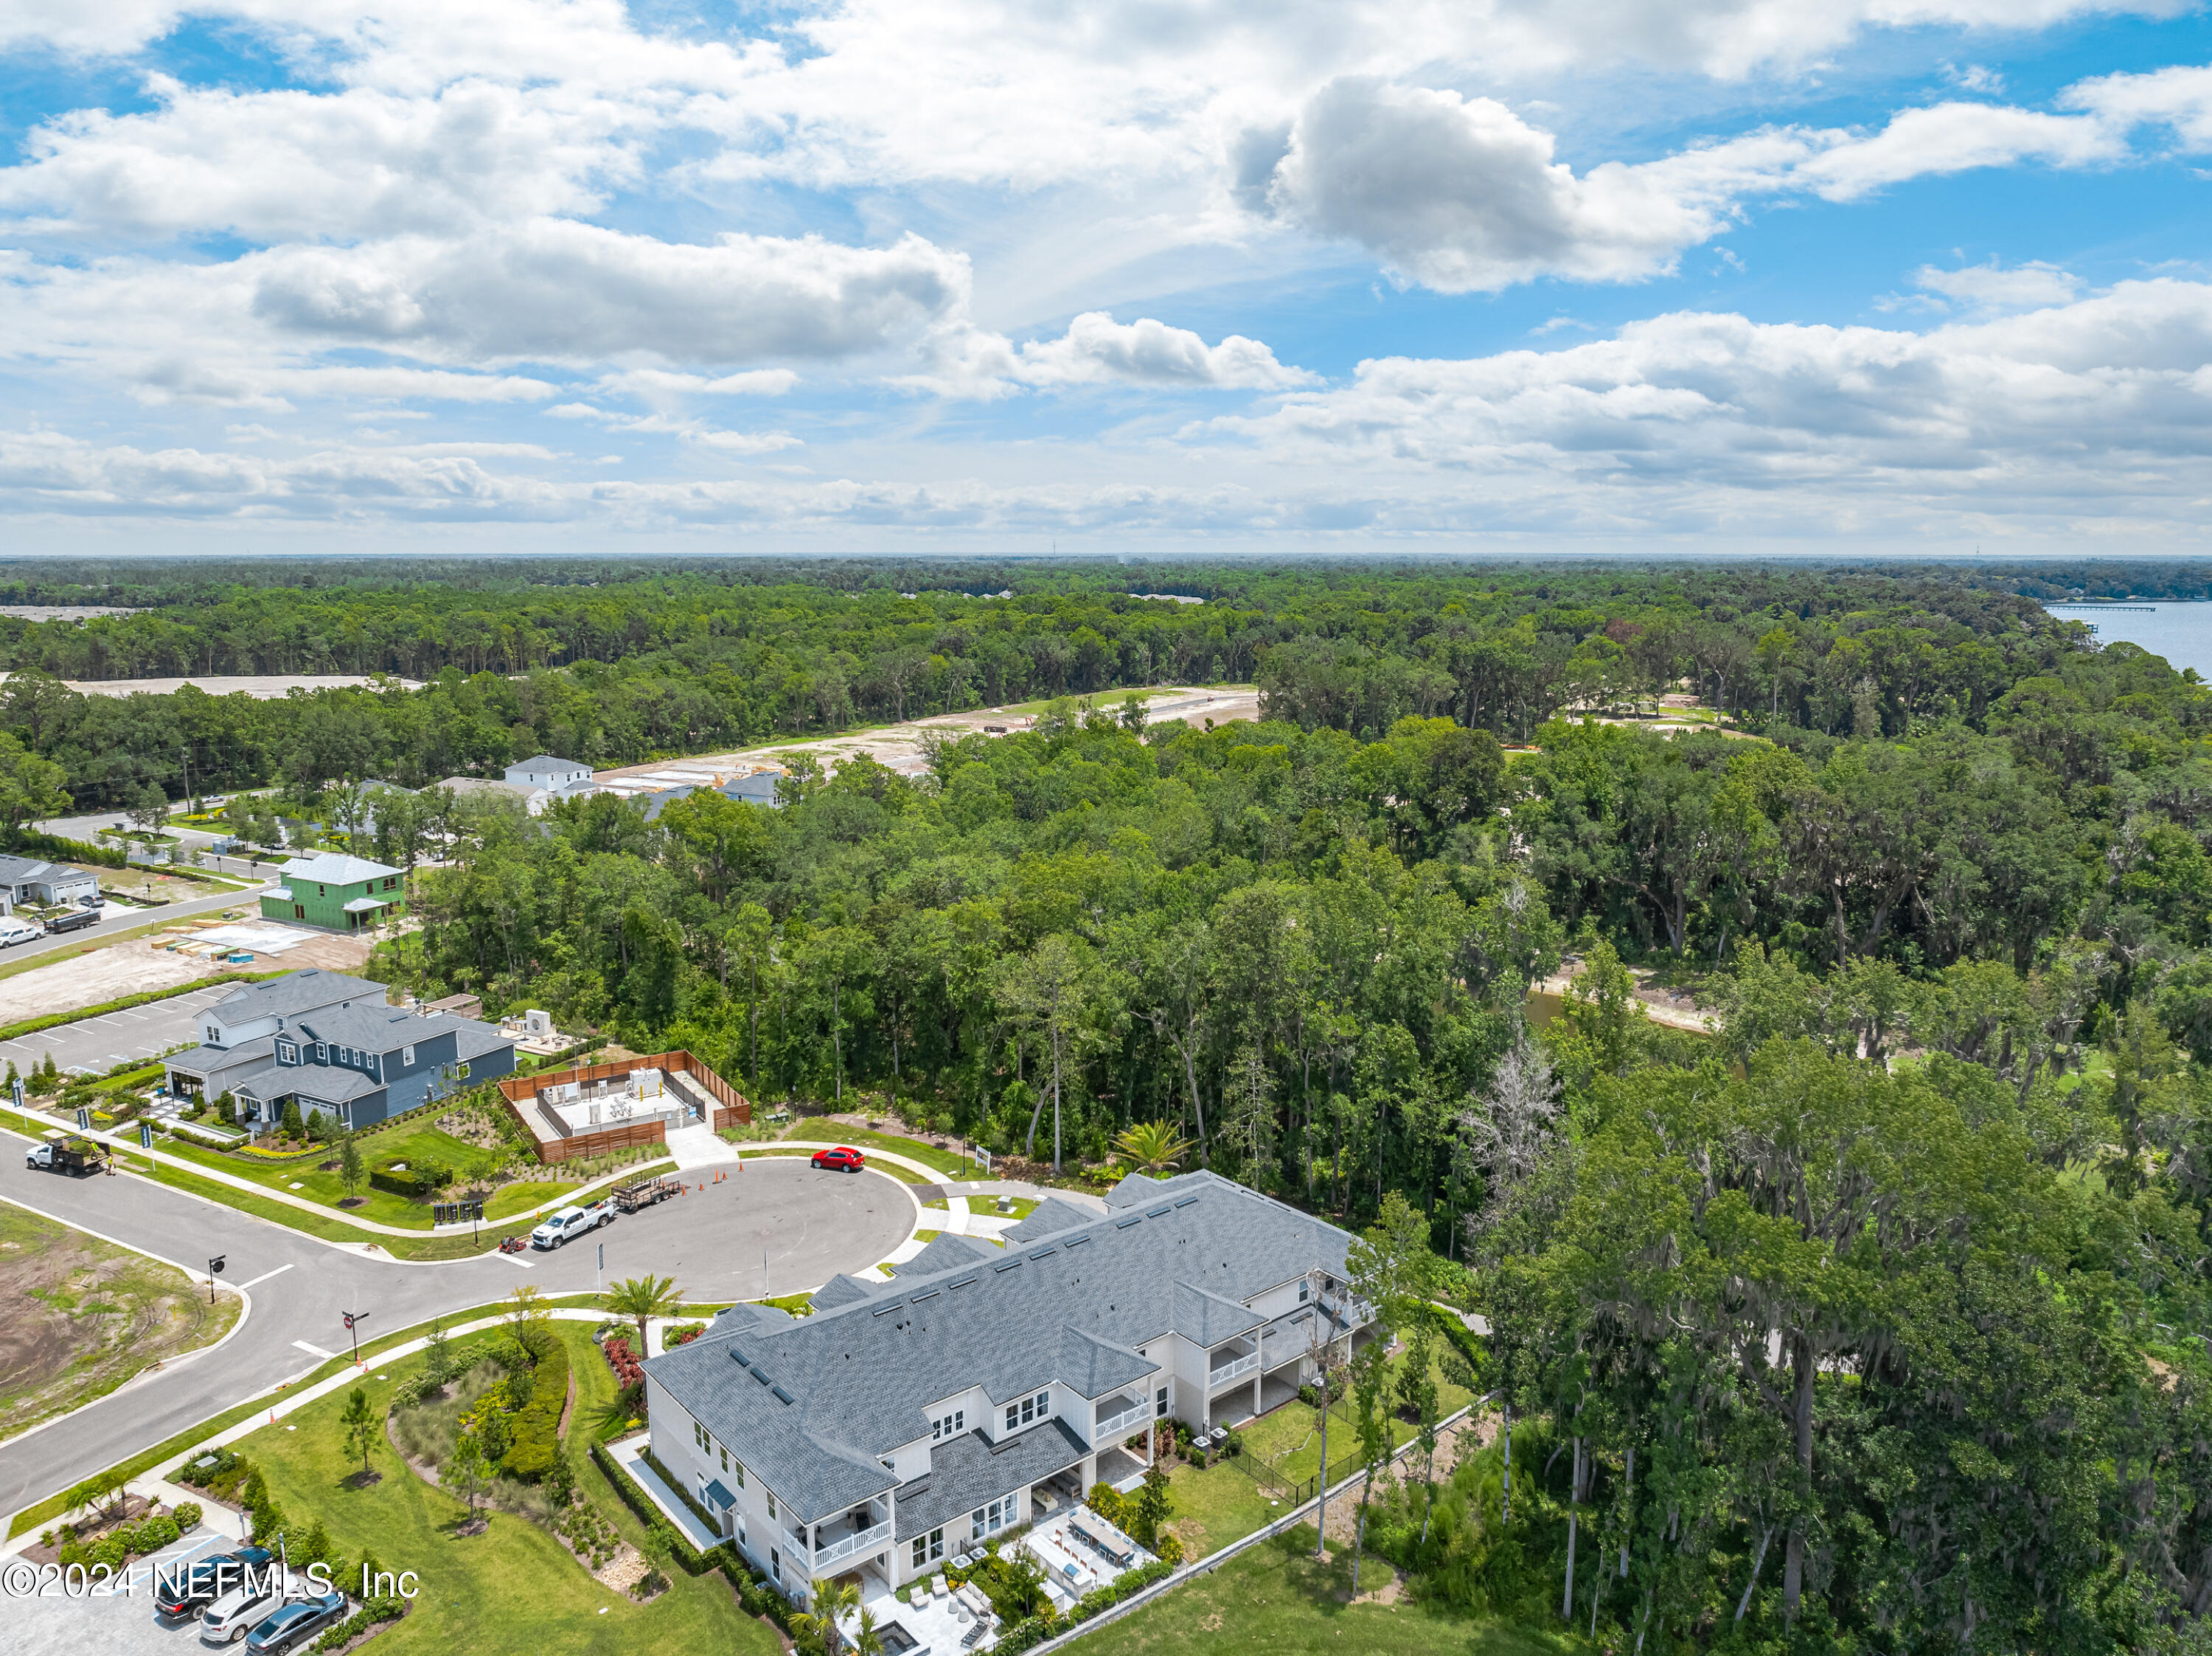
{"points": [[336, 892]]}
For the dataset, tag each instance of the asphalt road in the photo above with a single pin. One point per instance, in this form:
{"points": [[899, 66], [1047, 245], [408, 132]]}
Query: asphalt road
{"points": [[808, 1224], [129, 920], [94, 1045]]}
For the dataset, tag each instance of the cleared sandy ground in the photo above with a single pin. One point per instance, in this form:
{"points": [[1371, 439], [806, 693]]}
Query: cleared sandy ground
{"points": [[104, 974]]}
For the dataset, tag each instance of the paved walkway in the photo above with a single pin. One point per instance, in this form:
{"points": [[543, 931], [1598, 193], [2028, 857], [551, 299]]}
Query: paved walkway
{"points": [[700, 1147]]}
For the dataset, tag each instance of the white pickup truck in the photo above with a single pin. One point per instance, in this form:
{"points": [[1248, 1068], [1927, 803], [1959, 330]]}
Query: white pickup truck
{"points": [[571, 1223]]}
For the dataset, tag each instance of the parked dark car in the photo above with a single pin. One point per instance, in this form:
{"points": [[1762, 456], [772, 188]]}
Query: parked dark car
{"points": [[843, 1159], [199, 1582], [294, 1625]]}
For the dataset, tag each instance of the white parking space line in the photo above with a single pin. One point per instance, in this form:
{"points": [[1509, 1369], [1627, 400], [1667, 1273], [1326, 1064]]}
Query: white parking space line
{"points": [[264, 1278], [314, 1351]]}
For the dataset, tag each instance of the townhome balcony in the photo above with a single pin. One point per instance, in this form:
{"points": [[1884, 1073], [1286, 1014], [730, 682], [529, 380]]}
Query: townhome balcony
{"points": [[1234, 1361], [1118, 1416], [861, 1531]]}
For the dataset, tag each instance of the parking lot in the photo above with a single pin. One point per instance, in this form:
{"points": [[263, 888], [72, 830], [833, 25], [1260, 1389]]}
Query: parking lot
{"points": [[117, 1621], [94, 1045]]}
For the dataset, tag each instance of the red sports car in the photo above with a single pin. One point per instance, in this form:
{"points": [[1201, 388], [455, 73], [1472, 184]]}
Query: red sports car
{"points": [[844, 1158]]}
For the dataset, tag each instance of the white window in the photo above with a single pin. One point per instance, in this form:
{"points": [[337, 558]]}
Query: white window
{"points": [[774, 1564], [322, 1053], [771, 1503], [407, 1055], [738, 1472], [928, 1549], [989, 1520], [215, 1035], [947, 1426], [1160, 1403], [726, 1460], [287, 1051], [1305, 1292], [698, 1434]]}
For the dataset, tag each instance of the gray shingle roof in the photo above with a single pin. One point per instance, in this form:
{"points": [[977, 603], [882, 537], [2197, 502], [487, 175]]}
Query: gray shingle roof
{"points": [[331, 1082], [293, 993], [375, 1028], [971, 1471], [861, 1378], [840, 1290], [1095, 1366], [1051, 1217], [943, 1253]]}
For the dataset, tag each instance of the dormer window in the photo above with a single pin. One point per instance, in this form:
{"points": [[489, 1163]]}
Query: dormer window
{"points": [[322, 1053], [287, 1052]]}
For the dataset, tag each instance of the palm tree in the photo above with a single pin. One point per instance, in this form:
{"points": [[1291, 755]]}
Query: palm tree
{"points": [[831, 1600], [1152, 1145], [867, 1641], [644, 1298]]}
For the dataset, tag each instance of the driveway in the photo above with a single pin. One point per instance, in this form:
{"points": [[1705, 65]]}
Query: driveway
{"points": [[778, 1227]]}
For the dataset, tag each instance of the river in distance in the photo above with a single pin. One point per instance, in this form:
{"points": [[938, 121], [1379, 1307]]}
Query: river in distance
{"points": [[2182, 632]]}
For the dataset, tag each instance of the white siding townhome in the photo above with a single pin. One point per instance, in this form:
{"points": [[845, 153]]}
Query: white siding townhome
{"points": [[905, 1421]]}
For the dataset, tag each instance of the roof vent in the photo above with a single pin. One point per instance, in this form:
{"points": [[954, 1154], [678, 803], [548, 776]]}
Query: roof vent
{"points": [[1160, 1211], [761, 1375], [1134, 1219], [778, 1391], [1010, 1264], [964, 1282], [881, 1309], [1044, 1253], [1186, 1201], [739, 1357], [919, 1298]]}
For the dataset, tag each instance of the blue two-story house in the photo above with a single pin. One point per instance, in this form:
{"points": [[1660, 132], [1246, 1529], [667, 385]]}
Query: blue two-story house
{"points": [[331, 1043]]}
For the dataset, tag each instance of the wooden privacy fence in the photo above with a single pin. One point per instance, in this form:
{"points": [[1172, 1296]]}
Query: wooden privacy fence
{"points": [[555, 1142]]}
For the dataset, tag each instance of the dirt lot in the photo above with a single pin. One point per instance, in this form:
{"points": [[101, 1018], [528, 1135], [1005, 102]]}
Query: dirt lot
{"points": [[104, 974], [84, 1316]]}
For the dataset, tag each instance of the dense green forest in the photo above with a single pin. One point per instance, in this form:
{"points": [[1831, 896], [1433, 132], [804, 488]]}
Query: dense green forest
{"points": [[613, 664], [1872, 1320]]}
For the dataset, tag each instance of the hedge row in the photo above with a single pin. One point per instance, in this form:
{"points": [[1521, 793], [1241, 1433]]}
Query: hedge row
{"points": [[419, 1180], [757, 1597], [1038, 1628], [71, 850], [371, 1612], [536, 1440]]}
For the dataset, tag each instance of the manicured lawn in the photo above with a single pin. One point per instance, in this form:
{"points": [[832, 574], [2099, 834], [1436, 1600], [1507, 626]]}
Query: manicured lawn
{"points": [[904, 1176], [518, 1198], [1277, 1600], [414, 1142], [1216, 1505], [948, 1162], [512, 1589], [54, 1505]]}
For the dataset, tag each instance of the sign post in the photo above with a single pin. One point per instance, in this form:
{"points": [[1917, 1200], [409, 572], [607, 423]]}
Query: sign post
{"points": [[215, 1270], [353, 1321]]}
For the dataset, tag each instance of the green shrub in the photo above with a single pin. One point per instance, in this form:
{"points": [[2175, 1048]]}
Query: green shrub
{"points": [[417, 1181], [535, 1444], [188, 1517]]}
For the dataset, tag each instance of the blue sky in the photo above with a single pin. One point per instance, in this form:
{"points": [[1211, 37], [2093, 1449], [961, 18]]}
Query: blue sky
{"points": [[1861, 276]]}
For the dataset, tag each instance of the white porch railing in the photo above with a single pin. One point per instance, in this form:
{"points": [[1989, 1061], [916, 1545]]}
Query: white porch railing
{"points": [[859, 1541], [1229, 1371], [1116, 1426]]}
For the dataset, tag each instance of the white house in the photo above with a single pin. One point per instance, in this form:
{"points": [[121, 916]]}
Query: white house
{"points": [[547, 772], [904, 1422], [27, 880]]}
